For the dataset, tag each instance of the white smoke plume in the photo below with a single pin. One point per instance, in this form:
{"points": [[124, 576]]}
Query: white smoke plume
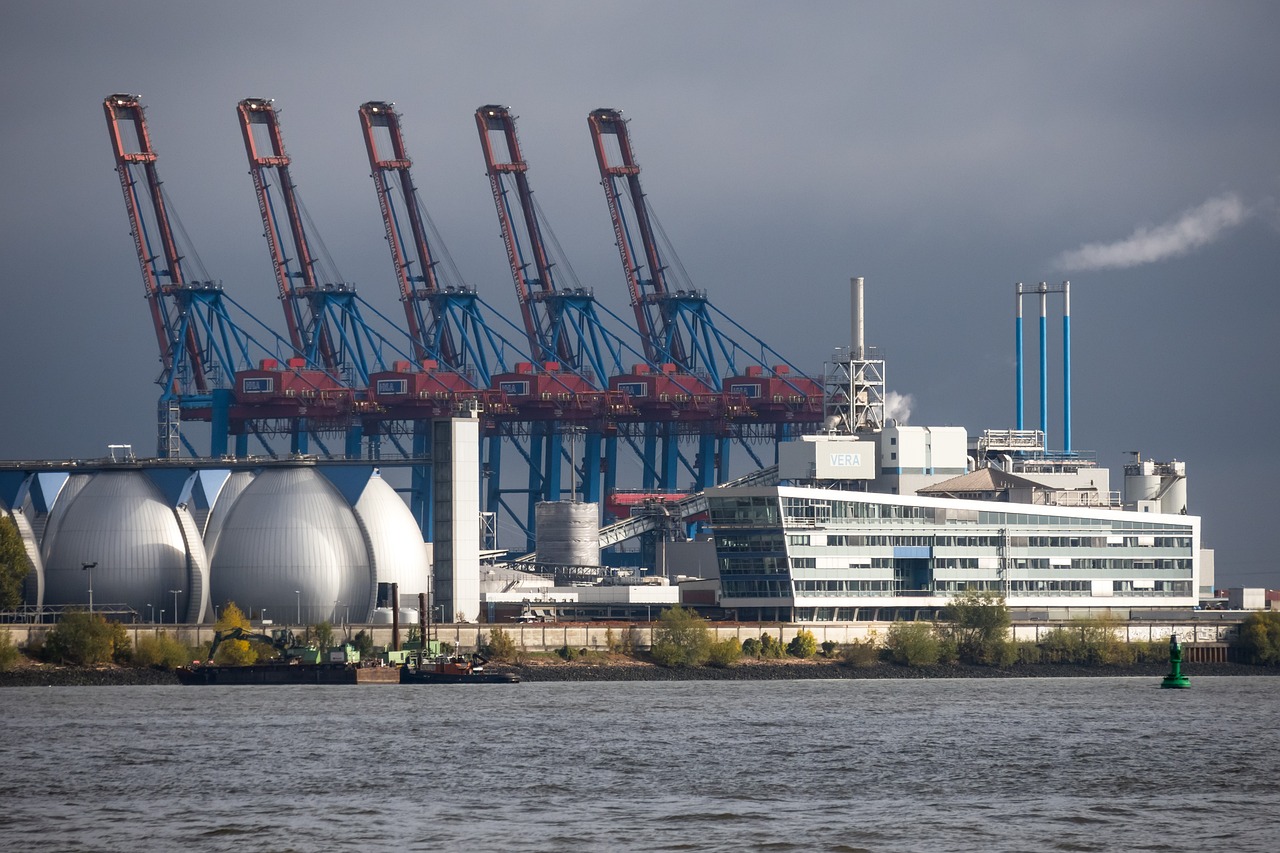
{"points": [[897, 407], [1196, 227]]}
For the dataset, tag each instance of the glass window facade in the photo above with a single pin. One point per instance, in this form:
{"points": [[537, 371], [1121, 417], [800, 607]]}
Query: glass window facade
{"points": [[829, 552]]}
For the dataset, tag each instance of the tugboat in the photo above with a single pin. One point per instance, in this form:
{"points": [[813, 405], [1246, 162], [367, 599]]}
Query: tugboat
{"points": [[426, 664], [452, 669]]}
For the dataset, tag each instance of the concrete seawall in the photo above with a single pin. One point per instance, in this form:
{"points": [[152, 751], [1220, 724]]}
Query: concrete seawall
{"points": [[542, 637]]}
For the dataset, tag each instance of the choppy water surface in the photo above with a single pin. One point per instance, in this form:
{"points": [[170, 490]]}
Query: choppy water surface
{"points": [[1017, 765]]}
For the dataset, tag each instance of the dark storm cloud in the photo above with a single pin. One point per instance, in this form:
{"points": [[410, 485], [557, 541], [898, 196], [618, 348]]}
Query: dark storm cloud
{"points": [[943, 150]]}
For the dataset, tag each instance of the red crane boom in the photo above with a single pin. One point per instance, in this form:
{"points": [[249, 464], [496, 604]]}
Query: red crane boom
{"points": [[161, 263]]}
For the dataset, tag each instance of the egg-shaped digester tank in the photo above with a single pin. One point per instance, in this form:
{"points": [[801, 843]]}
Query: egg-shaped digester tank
{"points": [[292, 546], [118, 523], [398, 550]]}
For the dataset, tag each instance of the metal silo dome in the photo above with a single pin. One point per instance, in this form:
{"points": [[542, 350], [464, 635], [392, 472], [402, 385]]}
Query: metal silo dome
{"points": [[120, 522], [292, 545], [399, 553]]}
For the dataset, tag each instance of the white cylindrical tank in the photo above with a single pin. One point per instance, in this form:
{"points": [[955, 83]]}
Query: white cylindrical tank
{"points": [[1141, 482], [408, 616], [292, 543], [120, 522], [1174, 499], [568, 533]]}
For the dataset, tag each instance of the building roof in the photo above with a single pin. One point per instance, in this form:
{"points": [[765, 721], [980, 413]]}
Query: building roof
{"points": [[981, 480]]}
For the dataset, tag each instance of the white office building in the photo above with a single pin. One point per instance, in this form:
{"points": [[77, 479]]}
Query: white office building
{"points": [[801, 554]]}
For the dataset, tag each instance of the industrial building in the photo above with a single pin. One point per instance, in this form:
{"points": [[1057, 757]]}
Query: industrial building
{"points": [[794, 554], [877, 521]]}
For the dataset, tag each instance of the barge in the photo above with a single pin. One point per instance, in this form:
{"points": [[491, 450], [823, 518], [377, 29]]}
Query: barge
{"points": [[292, 673]]}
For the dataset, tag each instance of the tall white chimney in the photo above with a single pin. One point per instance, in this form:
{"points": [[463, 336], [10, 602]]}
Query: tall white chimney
{"points": [[859, 341]]}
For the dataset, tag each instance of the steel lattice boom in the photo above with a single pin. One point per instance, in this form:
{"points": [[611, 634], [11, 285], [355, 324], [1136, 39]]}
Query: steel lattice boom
{"points": [[444, 318], [323, 314]]}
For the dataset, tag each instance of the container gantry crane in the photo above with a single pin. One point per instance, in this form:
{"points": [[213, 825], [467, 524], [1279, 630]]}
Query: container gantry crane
{"points": [[323, 313], [566, 386], [457, 350], [444, 316], [678, 327], [203, 350]]}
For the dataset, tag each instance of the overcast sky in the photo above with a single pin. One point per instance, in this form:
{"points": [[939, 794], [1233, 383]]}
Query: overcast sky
{"points": [[943, 150]]}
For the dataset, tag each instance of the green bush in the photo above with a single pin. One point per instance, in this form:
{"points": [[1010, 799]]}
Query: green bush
{"points": [[1063, 645], [86, 639], [1102, 646], [567, 653], [1028, 652], [501, 646], [9, 653], [14, 564], [979, 628], [771, 648], [1259, 638], [363, 643], [1095, 641], [751, 647], [725, 653], [1151, 651], [912, 644], [860, 653], [803, 644], [829, 648], [161, 651], [948, 648], [680, 639], [319, 635]]}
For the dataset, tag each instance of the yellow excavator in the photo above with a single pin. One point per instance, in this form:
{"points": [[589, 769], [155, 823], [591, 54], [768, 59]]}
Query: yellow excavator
{"points": [[282, 640]]}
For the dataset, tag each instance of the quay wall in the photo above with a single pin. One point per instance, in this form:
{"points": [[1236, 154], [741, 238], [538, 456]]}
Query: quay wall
{"points": [[542, 637]]}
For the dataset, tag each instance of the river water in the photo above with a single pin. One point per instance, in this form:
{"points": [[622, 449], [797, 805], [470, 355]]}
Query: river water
{"points": [[1033, 764]]}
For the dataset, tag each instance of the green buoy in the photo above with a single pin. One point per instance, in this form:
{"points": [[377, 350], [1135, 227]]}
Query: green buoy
{"points": [[1175, 678]]}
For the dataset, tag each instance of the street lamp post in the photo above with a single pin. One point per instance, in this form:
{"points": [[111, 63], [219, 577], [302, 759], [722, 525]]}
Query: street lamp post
{"points": [[161, 615], [89, 567], [176, 593], [298, 593], [151, 613]]}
